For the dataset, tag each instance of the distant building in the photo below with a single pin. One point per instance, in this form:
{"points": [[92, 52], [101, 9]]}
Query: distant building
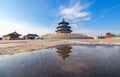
{"points": [[108, 35], [30, 37], [12, 36], [0, 38]]}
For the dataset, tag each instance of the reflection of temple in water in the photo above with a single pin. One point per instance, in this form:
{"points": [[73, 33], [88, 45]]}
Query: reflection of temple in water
{"points": [[64, 51]]}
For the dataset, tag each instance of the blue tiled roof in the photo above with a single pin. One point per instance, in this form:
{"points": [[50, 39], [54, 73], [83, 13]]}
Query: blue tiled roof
{"points": [[32, 35]]}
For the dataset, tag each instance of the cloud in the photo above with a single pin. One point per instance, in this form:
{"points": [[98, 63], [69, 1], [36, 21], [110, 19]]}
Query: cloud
{"points": [[74, 11], [7, 26], [77, 14], [81, 20]]}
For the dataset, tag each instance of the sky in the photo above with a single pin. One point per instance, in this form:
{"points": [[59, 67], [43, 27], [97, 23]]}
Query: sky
{"points": [[92, 17]]}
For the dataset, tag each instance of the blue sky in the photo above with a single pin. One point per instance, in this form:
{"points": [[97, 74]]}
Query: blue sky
{"points": [[94, 17]]}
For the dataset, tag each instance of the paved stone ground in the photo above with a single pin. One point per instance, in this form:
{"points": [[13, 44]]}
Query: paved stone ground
{"points": [[18, 46]]}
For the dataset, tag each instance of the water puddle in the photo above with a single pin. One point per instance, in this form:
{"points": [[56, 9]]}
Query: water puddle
{"points": [[64, 61]]}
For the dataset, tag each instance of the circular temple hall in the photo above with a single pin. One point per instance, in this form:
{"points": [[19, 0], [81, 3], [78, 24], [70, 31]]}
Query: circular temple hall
{"points": [[63, 31], [63, 27]]}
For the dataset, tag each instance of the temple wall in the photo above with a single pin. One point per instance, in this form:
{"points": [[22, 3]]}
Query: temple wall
{"points": [[10, 37], [6, 38], [67, 36]]}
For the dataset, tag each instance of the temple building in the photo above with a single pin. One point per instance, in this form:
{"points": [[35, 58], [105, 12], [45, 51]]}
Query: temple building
{"points": [[63, 27], [0, 38], [30, 37], [12, 36], [63, 31], [108, 35]]}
